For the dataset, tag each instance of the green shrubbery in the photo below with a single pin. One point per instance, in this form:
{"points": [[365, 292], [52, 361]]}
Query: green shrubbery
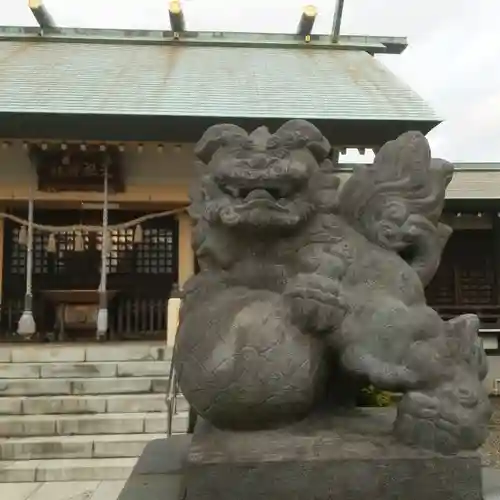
{"points": [[370, 396]]}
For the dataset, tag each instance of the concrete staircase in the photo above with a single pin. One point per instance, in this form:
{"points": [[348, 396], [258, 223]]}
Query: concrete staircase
{"points": [[81, 412]]}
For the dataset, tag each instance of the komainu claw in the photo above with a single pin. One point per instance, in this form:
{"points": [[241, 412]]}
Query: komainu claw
{"points": [[444, 420]]}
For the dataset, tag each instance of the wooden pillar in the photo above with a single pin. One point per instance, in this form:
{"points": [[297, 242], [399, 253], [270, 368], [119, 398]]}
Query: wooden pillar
{"points": [[185, 259]]}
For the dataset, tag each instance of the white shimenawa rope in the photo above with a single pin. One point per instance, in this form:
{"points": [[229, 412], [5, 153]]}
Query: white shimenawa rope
{"points": [[91, 229]]}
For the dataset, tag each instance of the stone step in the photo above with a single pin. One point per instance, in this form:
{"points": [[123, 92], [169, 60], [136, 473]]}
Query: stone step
{"points": [[76, 386], [71, 353], [92, 446], [76, 469], [85, 369], [85, 404], [107, 423]]}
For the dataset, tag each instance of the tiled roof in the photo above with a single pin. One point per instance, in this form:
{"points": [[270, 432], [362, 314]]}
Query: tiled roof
{"points": [[247, 82]]}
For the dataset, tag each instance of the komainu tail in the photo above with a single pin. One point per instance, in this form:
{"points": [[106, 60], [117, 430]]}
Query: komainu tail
{"points": [[397, 201]]}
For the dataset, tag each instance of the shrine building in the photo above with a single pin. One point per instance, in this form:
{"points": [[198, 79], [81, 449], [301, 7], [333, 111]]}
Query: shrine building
{"points": [[97, 130]]}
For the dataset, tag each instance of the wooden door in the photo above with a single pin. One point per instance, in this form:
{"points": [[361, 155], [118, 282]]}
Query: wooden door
{"points": [[466, 276]]}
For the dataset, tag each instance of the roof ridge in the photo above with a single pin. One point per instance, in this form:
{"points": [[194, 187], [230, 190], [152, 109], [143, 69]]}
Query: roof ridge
{"points": [[371, 44]]}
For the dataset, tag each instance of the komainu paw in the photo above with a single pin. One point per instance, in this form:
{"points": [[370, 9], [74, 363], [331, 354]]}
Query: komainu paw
{"points": [[316, 302], [445, 420]]}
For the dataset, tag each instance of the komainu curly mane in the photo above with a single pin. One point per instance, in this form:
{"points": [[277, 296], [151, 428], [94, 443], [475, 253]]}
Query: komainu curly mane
{"points": [[397, 201]]}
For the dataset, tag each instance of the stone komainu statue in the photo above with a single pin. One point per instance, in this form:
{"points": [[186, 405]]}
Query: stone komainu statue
{"points": [[307, 291]]}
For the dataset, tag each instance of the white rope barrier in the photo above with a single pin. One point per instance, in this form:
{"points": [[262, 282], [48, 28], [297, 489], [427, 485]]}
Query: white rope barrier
{"points": [[88, 228]]}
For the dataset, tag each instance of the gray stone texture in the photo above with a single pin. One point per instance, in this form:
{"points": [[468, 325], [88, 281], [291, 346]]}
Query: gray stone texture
{"points": [[56, 405], [132, 352], [34, 387], [78, 370], [45, 447], [307, 291], [158, 473], [350, 457], [85, 470], [47, 354], [110, 385], [11, 406], [28, 425], [64, 417]]}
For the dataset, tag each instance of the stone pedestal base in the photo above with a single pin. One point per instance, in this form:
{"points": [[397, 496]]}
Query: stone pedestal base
{"points": [[350, 457]]}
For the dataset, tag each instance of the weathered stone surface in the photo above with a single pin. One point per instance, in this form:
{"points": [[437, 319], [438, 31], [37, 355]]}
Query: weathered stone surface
{"points": [[48, 354], [144, 369], [80, 446], [5, 354], [128, 352], [18, 472], [158, 472], [72, 490], [64, 412], [164, 456], [110, 490], [160, 385], [11, 406], [27, 425], [45, 405], [350, 457], [152, 487], [108, 423], [85, 469], [78, 370], [110, 385], [137, 403], [308, 290], [46, 447], [157, 423], [34, 387], [19, 370], [131, 445]]}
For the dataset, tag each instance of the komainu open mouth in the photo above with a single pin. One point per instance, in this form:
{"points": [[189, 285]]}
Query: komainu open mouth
{"points": [[258, 192]]}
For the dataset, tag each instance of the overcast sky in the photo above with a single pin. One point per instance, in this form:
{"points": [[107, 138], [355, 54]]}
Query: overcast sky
{"points": [[452, 61]]}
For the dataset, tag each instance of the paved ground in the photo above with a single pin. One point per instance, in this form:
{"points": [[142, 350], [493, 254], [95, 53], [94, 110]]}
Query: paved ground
{"points": [[95, 490], [110, 490]]}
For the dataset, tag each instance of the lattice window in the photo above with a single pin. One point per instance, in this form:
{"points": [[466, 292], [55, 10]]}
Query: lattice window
{"points": [[155, 255], [18, 256], [121, 250], [40, 257], [441, 290], [476, 284], [65, 247], [465, 276], [40, 254], [474, 267]]}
